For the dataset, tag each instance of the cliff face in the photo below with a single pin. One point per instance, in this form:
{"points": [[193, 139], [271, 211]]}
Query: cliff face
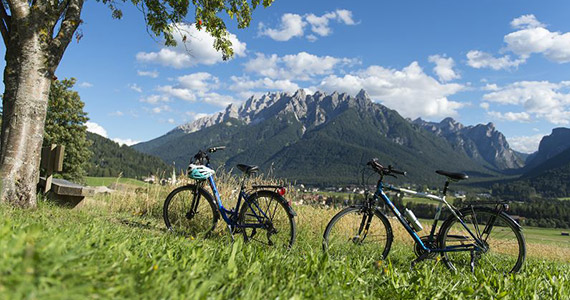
{"points": [[481, 142], [549, 147]]}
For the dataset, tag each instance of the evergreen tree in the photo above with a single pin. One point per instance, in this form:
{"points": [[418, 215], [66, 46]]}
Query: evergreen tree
{"points": [[65, 125]]}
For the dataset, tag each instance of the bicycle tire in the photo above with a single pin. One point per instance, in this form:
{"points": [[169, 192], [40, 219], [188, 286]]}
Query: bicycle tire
{"points": [[278, 218], [506, 244], [178, 215], [343, 233]]}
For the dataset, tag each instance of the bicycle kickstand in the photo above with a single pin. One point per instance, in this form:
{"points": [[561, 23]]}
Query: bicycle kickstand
{"points": [[418, 259], [231, 230]]}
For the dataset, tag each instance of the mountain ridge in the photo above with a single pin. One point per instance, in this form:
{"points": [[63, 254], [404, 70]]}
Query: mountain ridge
{"points": [[319, 137]]}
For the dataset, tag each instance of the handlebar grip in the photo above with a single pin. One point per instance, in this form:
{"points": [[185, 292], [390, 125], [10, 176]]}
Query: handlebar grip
{"points": [[391, 170], [403, 173], [376, 166], [214, 149]]}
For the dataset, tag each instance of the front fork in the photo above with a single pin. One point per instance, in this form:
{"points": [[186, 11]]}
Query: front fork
{"points": [[194, 204], [364, 227]]}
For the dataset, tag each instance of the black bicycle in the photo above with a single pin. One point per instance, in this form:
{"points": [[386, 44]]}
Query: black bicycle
{"points": [[470, 237], [261, 214]]}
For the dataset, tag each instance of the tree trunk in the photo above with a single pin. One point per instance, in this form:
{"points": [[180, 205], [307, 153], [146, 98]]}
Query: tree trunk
{"points": [[27, 83]]}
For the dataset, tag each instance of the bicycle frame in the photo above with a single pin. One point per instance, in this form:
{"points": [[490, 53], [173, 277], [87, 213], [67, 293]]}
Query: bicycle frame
{"points": [[380, 194], [230, 216]]}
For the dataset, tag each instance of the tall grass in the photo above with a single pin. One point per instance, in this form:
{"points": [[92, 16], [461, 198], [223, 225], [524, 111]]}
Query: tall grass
{"points": [[115, 246]]}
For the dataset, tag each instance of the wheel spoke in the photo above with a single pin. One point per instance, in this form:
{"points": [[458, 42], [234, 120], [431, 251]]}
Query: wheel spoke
{"points": [[345, 234], [502, 240], [264, 209]]}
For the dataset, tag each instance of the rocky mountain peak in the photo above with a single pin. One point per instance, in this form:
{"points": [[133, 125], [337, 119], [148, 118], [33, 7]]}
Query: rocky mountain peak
{"points": [[312, 109], [362, 94], [481, 142]]}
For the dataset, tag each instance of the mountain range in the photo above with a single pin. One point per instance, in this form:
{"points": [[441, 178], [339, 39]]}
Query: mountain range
{"points": [[327, 138]]}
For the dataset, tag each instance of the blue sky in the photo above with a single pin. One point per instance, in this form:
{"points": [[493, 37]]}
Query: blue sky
{"points": [[504, 62]]}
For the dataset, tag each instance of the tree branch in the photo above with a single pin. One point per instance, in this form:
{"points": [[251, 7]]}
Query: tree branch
{"points": [[70, 22], [4, 15], [4, 24]]}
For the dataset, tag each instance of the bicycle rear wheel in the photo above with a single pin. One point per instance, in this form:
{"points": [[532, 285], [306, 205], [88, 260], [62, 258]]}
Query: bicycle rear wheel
{"points": [[272, 218], [190, 211], [499, 233], [355, 230]]}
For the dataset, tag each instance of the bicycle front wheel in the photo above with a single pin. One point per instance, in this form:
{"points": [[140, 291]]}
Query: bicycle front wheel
{"points": [[266, 218], [504, 245], [190, 211], [356, 230]]}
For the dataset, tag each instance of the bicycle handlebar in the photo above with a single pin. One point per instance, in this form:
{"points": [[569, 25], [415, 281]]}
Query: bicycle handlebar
{"points": [[214, 149], [383, 170], [202, 157]]}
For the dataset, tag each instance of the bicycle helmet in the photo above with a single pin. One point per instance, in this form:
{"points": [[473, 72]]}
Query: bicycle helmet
{"points": [[200, 172]]}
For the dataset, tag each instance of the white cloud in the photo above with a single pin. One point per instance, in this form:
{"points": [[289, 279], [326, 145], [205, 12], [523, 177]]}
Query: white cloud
{"points": [[484, 105], [345, 16], [479, 59], [178, 92], [301, 66], [490, 87], [155, 99], [152, 74], [197, 49], [85, 84], [312, 38], [531, 37], [291, 26], [96, 128], [160, 109], [525, 144], [170, 121], [196, 87], [218, 99], [245, 84], [195, 116], [444, 67], [117, 113], [537, 39], [410, 91], [135, 88], [201, 81], [320, 25], [522, 117], [128, 142], [526, 21], [542, 99]]}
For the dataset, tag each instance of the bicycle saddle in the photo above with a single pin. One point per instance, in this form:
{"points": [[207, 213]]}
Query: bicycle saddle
{"points": [[247, 169], [456, 176]]}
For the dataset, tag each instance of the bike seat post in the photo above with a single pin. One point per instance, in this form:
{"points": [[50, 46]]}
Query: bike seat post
{"points": [[244, 180], [445, 187]]}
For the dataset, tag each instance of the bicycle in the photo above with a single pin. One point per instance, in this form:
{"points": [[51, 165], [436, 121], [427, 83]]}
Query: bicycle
{"points": [[469, 237], [261, 214]]}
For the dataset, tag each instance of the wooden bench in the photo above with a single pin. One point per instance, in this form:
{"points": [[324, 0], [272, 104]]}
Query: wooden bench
{"points": [[61, 191]]}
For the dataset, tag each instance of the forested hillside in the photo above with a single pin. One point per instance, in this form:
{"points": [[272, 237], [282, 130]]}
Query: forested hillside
{"points": [[111, 160]]}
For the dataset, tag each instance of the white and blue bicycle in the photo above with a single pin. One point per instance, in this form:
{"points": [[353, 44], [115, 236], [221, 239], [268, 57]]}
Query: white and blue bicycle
{"points": [[474, 236]]}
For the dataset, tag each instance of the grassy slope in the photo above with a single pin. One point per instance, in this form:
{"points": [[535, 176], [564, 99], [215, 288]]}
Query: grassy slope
{"points": [[54, 252]]}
